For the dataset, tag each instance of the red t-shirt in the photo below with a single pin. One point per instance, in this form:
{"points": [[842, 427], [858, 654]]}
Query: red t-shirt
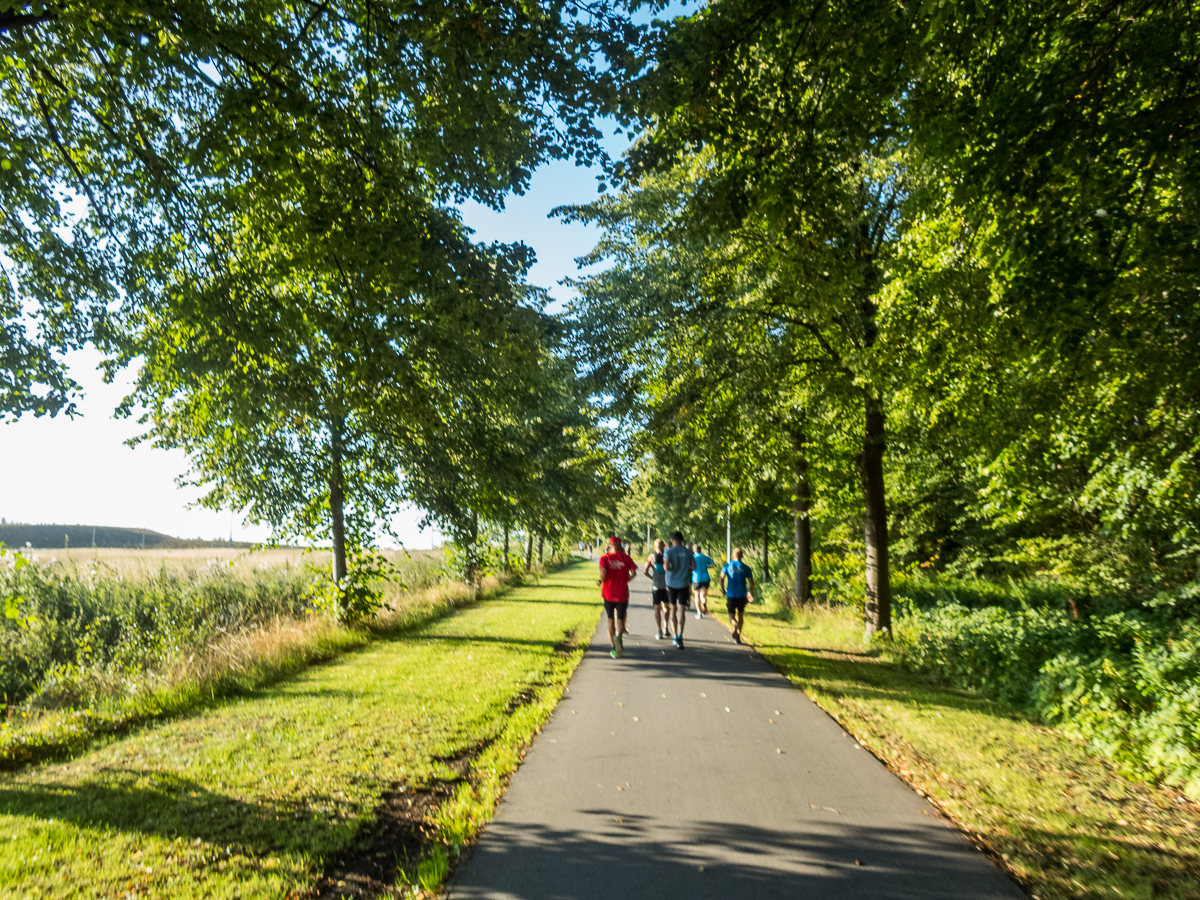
{"points": [[615, 588]]}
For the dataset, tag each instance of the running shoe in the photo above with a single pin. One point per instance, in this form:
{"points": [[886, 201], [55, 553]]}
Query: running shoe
{"points": [[658, 635], [679, 642], [613, 653], [737, 637], [620, 645], [698, 616]]}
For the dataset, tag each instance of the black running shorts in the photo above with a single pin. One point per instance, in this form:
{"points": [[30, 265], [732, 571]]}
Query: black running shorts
{"points": [[618, 609], [660, 595], [735, 604], [679, 596]]}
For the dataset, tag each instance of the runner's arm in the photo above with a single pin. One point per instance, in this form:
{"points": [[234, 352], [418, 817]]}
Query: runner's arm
{"points": [[750, 588], [649, 570]]}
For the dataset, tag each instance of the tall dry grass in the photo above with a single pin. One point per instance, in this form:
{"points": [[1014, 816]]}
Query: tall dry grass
{"points": [[132, 563]]}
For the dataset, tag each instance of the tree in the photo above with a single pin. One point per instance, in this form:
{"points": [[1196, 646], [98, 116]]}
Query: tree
{"points": [[828, 192], [1070, 145], [340, 322], [126, 123], [721, 313], [521, 445]]}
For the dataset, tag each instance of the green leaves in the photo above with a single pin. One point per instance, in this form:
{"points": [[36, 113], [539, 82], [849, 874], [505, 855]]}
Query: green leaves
{"points": [[132, 131], [13, 602]]}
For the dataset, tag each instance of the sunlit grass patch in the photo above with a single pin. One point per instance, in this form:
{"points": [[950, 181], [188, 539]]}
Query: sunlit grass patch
{"points": [[106, 652], [260, 795], [1065, 823]]}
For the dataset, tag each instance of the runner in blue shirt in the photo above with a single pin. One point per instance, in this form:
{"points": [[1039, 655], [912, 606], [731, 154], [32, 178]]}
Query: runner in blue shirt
{"points": [[737, 581], [701, 581]]}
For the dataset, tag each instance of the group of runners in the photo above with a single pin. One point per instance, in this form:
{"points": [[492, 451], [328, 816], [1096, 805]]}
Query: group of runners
{"points": [[674, 571]]}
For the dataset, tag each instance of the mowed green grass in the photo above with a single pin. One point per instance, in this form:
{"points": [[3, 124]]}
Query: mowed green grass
{"points": [[251, 797], [1062, 821]]}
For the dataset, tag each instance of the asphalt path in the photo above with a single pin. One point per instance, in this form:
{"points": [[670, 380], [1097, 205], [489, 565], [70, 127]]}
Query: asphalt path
{"points": [[703, 773]]}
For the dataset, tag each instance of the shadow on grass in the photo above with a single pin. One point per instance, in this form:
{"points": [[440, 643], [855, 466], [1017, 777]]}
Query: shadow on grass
{"points": [[595, 603], [487, 639], [876, 680], [169, 806]]}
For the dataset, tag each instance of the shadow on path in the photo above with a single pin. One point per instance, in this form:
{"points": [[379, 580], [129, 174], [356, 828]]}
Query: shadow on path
{"points": [[624, 856]]}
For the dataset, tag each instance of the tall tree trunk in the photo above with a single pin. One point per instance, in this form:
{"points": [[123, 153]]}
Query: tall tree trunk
{"points": [[473, 552], [506, 545], [801, 504], [879, 585], [528, 550], [766, 551], [541, 542], [337, 499]]}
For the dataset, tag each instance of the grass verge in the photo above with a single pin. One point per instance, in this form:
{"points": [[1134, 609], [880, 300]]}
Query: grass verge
{"points": [[239, 663], [287, 792], [1063, 822]]}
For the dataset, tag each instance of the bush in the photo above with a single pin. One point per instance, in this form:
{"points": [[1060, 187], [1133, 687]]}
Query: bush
{"points": [[1126, 681], [990, 649]]}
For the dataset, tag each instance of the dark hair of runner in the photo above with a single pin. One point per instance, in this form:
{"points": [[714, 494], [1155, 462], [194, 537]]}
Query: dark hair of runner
{"points": [[677, 536]]}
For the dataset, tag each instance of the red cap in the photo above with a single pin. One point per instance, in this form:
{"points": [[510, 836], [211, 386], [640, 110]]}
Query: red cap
{"points": [[615, 540]]}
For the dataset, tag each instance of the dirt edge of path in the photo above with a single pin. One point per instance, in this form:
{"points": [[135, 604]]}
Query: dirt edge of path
{"points": [[401, 834]]}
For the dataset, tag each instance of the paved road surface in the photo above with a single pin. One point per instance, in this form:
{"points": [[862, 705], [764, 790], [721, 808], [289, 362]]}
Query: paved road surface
{"points": [[704, 774]]}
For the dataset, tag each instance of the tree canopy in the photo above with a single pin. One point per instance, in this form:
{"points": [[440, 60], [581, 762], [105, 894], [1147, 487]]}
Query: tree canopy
{"points": [[950, 249]]}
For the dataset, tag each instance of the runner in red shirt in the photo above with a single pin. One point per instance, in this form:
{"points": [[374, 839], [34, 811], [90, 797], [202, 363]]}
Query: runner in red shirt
{"points": [[617, 569]]}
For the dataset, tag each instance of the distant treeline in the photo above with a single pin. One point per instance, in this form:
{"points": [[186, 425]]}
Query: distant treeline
{"points": [[50, 537]]}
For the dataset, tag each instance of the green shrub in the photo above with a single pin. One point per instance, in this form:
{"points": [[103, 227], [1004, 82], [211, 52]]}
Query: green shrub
{"points": [[991, 649], [1127, 681]]}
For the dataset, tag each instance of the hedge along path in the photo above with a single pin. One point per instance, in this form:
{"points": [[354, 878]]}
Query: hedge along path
{"points": [[328, 783]]}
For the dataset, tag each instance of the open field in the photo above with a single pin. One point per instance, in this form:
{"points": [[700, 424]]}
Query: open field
{"points": [[415, 570], [1065, 823], [301, 786]]}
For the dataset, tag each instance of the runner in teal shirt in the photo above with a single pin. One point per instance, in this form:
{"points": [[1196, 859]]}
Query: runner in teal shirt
{"points": [[701, 580]]}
